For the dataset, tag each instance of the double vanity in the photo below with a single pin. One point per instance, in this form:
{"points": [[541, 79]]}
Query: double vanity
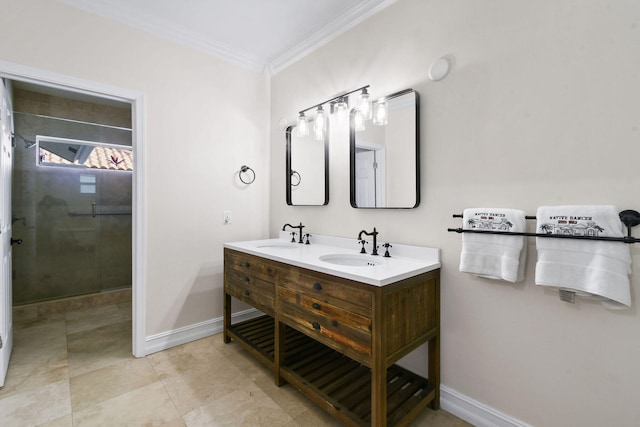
{"points": [[334, 322]]}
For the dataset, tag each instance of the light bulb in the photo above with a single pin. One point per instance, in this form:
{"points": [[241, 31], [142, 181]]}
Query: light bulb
{"points": [[303, 126], [364, 104], [341, 109], [380, 113]]}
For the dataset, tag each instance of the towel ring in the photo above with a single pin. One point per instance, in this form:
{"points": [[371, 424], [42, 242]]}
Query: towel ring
{"points": [[244, 169], [295, 173]]}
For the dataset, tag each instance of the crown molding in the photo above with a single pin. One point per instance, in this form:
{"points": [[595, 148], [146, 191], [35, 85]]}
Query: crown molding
{"points": [[169, 31], [348, 20]]}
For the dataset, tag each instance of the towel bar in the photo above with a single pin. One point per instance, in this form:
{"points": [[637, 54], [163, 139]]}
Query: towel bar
{"points": [[629, 218]]}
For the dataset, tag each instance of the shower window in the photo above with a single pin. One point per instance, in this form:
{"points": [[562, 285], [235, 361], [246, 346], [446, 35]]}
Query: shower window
{"points": [[64, 152]]}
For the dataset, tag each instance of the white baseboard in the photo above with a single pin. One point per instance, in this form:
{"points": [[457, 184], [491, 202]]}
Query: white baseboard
{"points": [[458, 404], [174, 337], [474, 412]]}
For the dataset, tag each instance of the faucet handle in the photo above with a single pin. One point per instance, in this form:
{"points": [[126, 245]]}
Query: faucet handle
{"points": [[307, 236], [293, 236], [363, 242], [386, 252]]}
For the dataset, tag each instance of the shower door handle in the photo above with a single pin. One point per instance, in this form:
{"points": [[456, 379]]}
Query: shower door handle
{"points": [[15, 241]]}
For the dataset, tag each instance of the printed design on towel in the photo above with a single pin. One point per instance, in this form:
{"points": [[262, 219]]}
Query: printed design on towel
{"points": [[489, 221], [571, 226]]}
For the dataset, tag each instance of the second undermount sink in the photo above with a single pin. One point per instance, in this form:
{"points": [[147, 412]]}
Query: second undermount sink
{"points": [[351, 260]]}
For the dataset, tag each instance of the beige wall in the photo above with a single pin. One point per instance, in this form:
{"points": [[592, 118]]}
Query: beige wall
{"points": [[542, 107], [204, 119]]}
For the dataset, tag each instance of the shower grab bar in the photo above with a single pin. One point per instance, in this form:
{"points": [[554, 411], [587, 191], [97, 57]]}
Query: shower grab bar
{"points": [[98, 213], [630, 218]]}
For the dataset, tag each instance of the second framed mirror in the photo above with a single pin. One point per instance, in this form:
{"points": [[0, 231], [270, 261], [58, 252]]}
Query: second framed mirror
{"points": [[385, 153]]}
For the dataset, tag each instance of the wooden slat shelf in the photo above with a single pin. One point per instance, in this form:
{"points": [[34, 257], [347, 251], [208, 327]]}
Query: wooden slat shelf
{"points": [[327, 376]]}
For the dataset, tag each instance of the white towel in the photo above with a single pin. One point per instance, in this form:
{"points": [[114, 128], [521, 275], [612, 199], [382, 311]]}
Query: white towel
{"points": [[587, 267], [491, 255]]}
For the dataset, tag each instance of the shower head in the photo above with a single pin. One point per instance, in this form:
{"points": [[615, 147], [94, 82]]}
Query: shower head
{"points": [[27, 142]]}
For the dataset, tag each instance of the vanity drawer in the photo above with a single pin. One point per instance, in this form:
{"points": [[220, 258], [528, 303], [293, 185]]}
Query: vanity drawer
{"points": [[333, 313], [250, 289], [330, 289], [250, 264], [347, 332]]}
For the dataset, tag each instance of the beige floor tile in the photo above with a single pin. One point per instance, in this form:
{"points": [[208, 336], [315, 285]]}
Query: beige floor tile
{"points": [[98, 348], [287, 397], [195, 385], [39, 358], [439, 418], [66, 421], [37, 406], [246, 407], [194, 357], [145, 406], [103, 384], [25, 313], [93, 317], [315, 417], [125, 310]]}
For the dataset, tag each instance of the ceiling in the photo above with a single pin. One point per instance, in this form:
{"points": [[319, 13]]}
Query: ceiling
{"points": [[265, 35]]}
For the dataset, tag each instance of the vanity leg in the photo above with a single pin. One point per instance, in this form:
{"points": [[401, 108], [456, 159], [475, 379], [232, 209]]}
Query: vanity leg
{"points": [[378, 395], [434, 370], [278, 353], [434, 352], [227, 318], [378, 365]]}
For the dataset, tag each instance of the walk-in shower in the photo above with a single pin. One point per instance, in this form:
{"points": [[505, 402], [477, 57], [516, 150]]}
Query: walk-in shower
{"points": [[72, 194]]}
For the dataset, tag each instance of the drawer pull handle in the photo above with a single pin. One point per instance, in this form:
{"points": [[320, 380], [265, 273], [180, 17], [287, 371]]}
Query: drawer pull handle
{"points": [[247, 293], [246, 264], [247, 279], [316, 306], [316, 326], [317, 286]]}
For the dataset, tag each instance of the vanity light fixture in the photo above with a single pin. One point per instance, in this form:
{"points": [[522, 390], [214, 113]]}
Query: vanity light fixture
{"points": [[340, 105], [303, 125], [319, 124], [380, 116], [364, 104]]}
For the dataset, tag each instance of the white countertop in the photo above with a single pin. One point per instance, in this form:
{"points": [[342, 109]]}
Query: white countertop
{"points": [[405, 261]]}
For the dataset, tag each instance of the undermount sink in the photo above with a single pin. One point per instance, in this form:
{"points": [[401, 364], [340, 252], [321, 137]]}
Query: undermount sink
{"points": [[278, 246], [351, 260]]}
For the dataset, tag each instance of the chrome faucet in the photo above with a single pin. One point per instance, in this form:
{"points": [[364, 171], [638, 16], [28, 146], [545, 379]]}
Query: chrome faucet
{"points": [[374, 233], [299, 227]]}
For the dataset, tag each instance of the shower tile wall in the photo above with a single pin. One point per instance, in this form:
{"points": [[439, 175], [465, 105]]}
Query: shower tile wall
{"points": [[64, 255]]}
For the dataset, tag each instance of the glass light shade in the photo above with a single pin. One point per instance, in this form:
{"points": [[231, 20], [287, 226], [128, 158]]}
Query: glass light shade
{"points": [[341, 109], [364, 104], [303, 126], [358, 120], [320, 124], [380, 113]]}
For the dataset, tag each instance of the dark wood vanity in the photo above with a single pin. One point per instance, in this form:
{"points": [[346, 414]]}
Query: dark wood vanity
{"points": [[337, 340]]}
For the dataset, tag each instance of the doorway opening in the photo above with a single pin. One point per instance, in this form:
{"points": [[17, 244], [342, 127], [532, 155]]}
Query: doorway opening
{"points": [[78, 89]]}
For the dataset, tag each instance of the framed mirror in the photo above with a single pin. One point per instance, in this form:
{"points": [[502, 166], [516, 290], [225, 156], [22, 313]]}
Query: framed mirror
{"points": [[307, 169], [385, 153]]}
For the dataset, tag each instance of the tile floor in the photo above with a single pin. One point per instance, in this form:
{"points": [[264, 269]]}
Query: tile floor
{"points": [[76, 369]]}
